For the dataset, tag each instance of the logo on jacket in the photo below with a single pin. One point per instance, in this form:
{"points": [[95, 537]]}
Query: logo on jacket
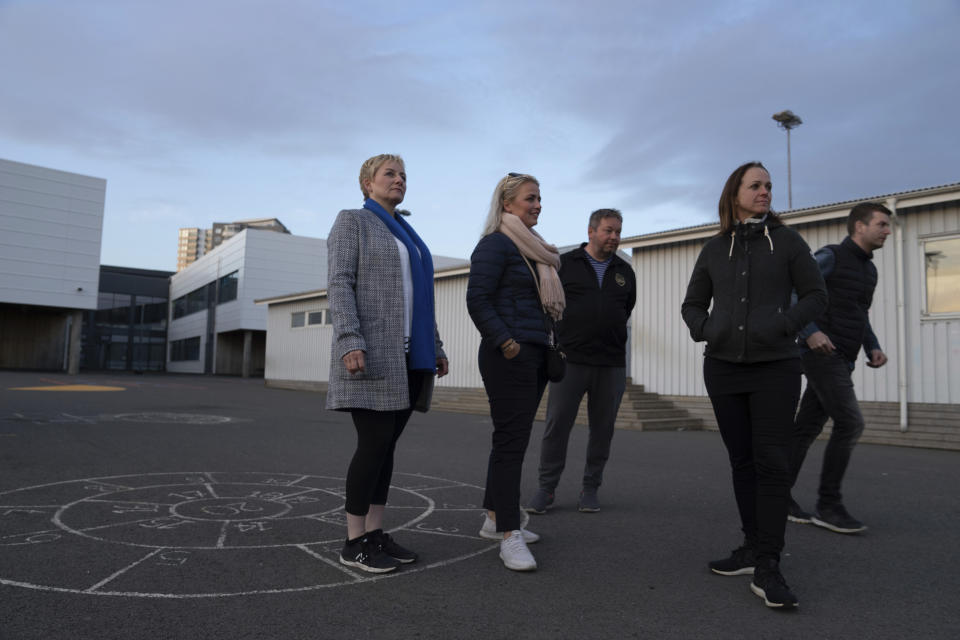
{"points": [[620, 279]]}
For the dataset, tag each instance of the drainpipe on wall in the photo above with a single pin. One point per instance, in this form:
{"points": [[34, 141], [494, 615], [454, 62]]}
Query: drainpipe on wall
{"points": [[901, 314]]}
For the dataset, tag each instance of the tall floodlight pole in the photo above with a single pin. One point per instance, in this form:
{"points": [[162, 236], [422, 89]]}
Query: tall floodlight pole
{"points": [[788, 120]]}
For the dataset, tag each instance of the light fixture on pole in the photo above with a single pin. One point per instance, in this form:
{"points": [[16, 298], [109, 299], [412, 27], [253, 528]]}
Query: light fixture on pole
{"points": [[788, 120]]}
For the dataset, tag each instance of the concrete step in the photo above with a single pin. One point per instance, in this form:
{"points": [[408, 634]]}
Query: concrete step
{"points": [[684, 423], [639, 410], [668, 411]]}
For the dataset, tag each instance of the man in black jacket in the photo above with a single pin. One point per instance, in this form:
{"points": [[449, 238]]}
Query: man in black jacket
{"points": [[829, 351], [601, 290]]}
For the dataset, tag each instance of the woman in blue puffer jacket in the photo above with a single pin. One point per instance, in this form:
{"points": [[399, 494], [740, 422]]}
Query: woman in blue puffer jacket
{"points": [[513, 283]]}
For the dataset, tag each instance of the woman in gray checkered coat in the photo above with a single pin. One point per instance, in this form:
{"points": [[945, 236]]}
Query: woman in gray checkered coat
{"points": [[385, 349]]}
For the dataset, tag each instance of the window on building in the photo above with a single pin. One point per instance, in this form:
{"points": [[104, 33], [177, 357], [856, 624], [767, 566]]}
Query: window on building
{"points": [[180, 307], [181, 350], [297, 319], [197, 300], [942, 267], [193, 302], [227, 288], [327, 316], [315, 317]]}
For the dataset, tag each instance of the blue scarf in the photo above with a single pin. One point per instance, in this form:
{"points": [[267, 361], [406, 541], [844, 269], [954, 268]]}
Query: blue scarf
{"points": [[423, 355]]}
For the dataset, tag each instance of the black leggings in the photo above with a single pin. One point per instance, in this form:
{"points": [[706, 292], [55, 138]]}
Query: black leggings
{"points": [[368, 477], [754, 405]]}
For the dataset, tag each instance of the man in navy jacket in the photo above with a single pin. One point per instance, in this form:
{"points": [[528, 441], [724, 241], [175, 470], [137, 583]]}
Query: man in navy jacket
{"points": [[601, 290], [830, 346]]}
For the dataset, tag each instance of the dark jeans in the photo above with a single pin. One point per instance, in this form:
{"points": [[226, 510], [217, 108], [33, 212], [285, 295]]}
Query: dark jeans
{"points": [[829, 394], [514, 388], [604, 387], [370, 471], [754, 405]]}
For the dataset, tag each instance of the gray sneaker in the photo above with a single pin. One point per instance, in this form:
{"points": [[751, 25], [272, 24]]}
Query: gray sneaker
{"points": [[542, 500], [589, 502]]}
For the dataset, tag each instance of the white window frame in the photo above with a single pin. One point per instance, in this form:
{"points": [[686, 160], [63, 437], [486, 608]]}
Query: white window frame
{"points": [[923, 240]]}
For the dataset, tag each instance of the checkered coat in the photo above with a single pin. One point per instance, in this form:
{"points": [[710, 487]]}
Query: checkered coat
{"points": [[365, 293]]}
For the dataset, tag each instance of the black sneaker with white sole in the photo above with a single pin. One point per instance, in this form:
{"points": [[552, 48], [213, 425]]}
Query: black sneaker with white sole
{"points": [[741, 562], [795, 513], [768, 583], [365, 554], [835, 518], [389, 546]]}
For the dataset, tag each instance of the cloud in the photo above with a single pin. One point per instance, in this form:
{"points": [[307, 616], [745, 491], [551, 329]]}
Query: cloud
{"points": [[134, 77]]}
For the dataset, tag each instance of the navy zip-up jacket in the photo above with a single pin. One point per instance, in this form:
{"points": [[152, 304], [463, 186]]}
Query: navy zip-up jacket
{"points": [[502, 296]]}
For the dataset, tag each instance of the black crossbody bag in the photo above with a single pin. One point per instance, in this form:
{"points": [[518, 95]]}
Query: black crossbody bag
{"points": [[556, 358]]}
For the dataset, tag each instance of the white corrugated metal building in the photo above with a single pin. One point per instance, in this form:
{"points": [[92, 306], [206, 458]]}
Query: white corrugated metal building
{"points": [[922, 342], [51, 224]]}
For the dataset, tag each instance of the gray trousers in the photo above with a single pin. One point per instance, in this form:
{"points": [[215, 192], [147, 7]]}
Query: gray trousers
{"points": [[604, 387]]}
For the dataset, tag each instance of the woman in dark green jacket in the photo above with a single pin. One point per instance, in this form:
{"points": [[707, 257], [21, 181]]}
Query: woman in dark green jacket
{"points": [[752, 363]]}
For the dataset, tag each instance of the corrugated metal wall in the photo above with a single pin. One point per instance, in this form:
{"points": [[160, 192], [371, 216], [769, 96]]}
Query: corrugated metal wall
{"points": [[297, 353], [664, 359], [667, 361], [303, 353], [461, 340]]}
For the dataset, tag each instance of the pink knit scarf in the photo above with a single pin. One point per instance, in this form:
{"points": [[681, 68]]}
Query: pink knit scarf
{"points": [[547, 258]]}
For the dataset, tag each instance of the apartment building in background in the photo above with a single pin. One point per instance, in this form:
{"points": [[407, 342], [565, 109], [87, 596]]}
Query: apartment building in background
{"points": [[195, 242]]}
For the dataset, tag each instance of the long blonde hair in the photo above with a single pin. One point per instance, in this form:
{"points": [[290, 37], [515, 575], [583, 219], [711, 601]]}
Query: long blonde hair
{"points": [[505, 191]]}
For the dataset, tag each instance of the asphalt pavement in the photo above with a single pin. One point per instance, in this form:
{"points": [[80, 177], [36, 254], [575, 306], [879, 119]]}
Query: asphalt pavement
{"points": [[169, 506]]}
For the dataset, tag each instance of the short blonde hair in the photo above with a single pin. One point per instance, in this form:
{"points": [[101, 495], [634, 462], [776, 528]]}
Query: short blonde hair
{"points": [[506, 189], [370, 167]]}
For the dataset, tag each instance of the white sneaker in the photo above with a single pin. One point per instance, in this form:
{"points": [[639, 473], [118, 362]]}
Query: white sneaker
{"points": [[515, 554], [489, 530]]}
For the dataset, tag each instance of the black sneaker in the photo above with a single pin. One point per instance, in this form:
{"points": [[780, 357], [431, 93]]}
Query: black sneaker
{"points": [[768, 583], [795, 513], [365, 554], [740, 563], [389, 546], [836, 518]]}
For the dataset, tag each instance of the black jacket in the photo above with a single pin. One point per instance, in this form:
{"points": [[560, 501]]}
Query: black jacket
{"points": [[502, 296], [594, 326], [749, 275]]}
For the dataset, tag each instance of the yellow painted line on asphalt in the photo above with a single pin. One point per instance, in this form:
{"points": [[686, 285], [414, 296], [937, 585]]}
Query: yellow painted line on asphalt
{"points": [[70, 387]]}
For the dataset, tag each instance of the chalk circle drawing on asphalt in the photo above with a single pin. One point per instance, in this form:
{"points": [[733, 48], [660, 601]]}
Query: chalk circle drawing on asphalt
{"points": [[218, 534], [151, 417]]}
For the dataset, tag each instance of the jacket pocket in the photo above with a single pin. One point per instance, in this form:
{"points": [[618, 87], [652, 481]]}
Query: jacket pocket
{"points": [[717, 327], [767, 326]]}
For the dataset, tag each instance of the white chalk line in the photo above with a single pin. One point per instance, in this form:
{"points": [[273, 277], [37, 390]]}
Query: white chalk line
{"points": [[119, 573]]}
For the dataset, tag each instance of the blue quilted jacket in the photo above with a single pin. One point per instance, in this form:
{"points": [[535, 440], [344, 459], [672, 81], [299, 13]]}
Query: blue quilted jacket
{"points": [[501, 294]]}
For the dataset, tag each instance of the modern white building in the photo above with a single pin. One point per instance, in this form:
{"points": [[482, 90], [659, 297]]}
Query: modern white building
{"points": [[915, 314], [214, 325], [51, 224]]}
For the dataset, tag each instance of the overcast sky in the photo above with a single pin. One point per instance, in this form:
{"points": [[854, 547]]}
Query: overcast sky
{"points": [[218, 110]]}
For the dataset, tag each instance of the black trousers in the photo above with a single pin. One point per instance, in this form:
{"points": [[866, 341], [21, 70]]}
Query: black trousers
{"points": [[370, 471], [514, 388], [755, 404], [829, 394]]}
